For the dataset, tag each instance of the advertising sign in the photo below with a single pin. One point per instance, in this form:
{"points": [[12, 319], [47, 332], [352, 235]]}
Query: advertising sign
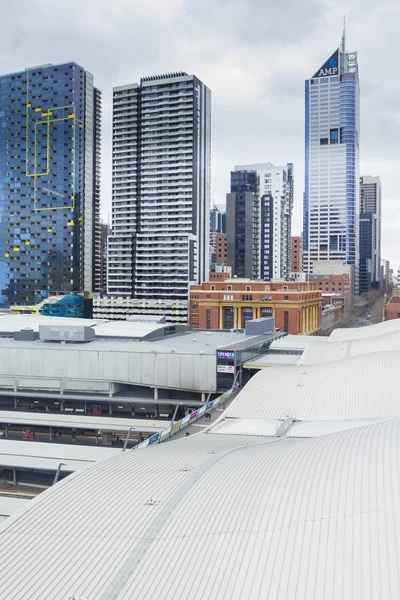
{"points": [[154, 438], [225, 369], [193, 415], [223, 354], [330, 68]]}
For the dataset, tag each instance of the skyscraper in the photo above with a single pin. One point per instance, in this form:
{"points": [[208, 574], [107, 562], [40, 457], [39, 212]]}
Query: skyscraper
{"points": [[161, 191], [371, 204], [259, 220], [49, 182], [217, 220], [331, 198]]}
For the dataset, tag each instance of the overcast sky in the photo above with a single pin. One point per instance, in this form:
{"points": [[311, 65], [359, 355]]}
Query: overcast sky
{"points": [[254, 56]]}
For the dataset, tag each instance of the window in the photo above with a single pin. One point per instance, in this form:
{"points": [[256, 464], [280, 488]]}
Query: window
{"points": [[229, 288], [334, 136], [286, 297], [286, 321], [323, 141], [208, 318], [248, 288], [213, 288]]}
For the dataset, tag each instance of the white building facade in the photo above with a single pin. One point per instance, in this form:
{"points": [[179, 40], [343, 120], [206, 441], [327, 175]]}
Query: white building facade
{"points": [[161, 192], [331, 197]]}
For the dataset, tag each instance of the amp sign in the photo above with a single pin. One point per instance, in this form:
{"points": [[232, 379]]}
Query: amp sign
{"points": [[330, 68]]}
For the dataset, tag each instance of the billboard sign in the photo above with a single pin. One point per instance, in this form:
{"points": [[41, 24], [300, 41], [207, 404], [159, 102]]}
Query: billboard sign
{"points": [[225, 369], [330, 68]]}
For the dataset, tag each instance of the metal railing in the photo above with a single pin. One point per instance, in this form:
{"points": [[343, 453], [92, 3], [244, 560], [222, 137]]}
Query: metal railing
{"points": [[188, 419]]}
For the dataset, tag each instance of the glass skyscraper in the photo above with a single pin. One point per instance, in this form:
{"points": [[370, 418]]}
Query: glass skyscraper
{"points": [[331, 197], [49, 183]]}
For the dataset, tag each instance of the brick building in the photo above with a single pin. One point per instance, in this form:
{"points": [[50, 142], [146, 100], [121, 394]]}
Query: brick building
{"points": [[332, 284], [228, 304], [297, 254], [392, 308]]}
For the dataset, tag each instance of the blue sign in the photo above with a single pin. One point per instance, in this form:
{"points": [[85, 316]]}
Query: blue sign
{"points": [[330, 68], [154, 438], [222, 354]]}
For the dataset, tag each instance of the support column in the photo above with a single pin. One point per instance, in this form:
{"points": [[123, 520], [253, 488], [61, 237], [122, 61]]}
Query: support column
{"points": [[15, 402], [308, 319], [239, 318], [155, 393], [109, 408], [221, 320], [203, 397], [85, 407], [235, 323], [61, 406], [51, 433], [15, 477]]}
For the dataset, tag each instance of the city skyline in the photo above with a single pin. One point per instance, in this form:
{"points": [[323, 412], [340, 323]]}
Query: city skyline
{"points": [[231, 64]]}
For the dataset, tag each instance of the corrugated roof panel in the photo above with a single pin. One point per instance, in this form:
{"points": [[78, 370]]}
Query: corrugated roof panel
{"points": [[363, 386]]}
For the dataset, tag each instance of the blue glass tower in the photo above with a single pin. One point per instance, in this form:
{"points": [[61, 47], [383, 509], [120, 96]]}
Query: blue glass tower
{"points": [[49, 183], [331, 192]]}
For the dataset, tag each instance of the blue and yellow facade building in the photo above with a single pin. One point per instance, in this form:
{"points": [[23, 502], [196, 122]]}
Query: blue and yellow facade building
{"points": [[50, 142]]}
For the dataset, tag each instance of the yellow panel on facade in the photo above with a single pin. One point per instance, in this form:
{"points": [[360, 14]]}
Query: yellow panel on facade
{"points": [[7, 255], [38, 109], [16, 248], [70, 223], [27, 243]]}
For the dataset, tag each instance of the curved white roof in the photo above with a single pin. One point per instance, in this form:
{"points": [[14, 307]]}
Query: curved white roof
{"points": [[365, 386], [210, 518], [330, 351], [364, 332]]}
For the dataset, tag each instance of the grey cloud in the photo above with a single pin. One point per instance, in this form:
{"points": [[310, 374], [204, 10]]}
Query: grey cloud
{"points": [[253, 54]]}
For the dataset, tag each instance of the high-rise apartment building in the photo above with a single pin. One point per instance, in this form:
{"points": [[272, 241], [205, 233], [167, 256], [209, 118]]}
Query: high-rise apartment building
{"points": [[161, 191], [259, 220], [370, 229], [297, 254], [331, 197], [104, 233], [50, 132]]}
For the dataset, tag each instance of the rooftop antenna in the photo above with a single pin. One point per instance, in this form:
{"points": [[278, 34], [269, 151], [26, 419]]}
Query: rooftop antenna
{"points": [[344, 36]]}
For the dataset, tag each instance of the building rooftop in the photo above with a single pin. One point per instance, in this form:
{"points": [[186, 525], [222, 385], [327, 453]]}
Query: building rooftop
{"points": [[46, 456], [293, 515]]}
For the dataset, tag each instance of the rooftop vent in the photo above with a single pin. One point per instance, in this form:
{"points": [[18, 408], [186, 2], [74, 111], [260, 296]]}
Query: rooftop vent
{"points": [[67, 333]]}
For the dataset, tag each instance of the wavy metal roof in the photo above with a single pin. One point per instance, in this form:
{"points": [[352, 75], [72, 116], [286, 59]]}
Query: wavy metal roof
{"points": [[209, 517], [365, 386], [364, 332], [330, 351]]}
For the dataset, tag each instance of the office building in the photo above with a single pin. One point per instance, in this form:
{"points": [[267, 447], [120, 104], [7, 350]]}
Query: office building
{"points": [[217, 220], [230, 303], [219, 249], [331, 197], [370, 227], [367, 255], [259, 212], [297, 254], [49, 183], [161, 190]]}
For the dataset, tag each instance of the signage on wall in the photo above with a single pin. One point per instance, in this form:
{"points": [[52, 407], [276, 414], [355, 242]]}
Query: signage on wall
{"points": [[222, 354], [330, 68], [225, 369]]}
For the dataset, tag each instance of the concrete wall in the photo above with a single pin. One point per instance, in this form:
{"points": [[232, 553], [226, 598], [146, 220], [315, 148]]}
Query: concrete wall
{"points": [[52, 367]]}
